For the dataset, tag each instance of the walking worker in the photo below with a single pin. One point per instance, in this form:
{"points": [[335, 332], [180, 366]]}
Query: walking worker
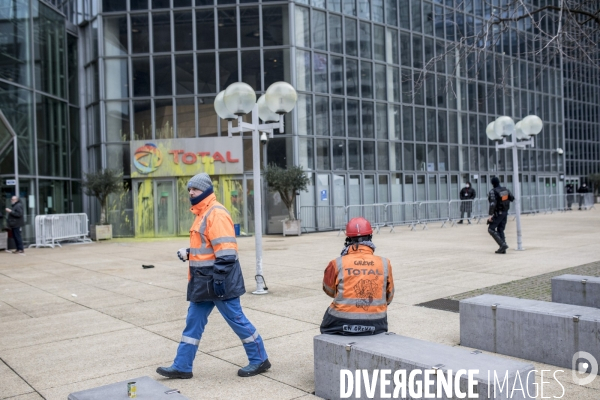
{"points": [[500, 199], [467, 195], [361, 284], [15, 221], [214, 279]]}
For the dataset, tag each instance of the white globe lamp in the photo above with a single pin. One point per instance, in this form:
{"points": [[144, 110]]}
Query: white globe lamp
{"points": [[532, 125], [491, 134], [222, 111], [264, 112], [239, 98], [519, 131], [281, 97], [504, 126]]}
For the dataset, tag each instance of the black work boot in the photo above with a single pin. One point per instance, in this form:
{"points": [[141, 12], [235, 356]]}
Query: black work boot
{"points": [[254, 369], [502, 249], [460, 222], [171, 372]]}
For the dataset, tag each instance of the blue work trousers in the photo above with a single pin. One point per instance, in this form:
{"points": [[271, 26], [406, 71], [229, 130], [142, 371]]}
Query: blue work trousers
{"points": [[196, 320]]}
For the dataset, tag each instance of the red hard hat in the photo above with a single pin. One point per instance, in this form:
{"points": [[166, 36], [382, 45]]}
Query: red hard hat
{"points": [[358, 227]]}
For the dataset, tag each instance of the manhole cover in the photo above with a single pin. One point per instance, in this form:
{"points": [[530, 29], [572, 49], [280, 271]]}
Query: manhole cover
{"points": [[441, 304]]}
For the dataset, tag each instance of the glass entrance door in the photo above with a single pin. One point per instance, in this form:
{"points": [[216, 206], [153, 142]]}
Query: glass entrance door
{"points": [[231, 195], [143, 193], [165, 213], [155, 208]]}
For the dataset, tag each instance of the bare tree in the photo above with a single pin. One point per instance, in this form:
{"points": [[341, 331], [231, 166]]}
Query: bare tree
{"points": [[548, 32]]}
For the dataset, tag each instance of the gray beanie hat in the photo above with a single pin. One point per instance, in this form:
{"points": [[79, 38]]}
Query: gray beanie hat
{"points": [[200, 181]]}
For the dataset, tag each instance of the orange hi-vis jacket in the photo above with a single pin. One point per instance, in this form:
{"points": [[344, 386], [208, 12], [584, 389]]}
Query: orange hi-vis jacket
{"points": [[213, 252], [361, 284]]}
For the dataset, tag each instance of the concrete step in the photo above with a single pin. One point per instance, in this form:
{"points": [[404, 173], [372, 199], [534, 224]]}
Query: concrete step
{"points": [[398, 354], [576, 289], [542, 331]]}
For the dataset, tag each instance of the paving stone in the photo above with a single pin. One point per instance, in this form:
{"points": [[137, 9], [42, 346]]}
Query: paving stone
{"points": [[56, 328], [11, 384]]}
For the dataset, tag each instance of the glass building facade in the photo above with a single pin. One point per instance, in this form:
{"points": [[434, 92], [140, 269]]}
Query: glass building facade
{"points": [[39, 99], [385, 113]]}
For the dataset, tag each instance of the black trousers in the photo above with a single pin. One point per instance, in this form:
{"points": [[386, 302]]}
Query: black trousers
{"points": [[353, 327], [16, 232], [498, 224]]}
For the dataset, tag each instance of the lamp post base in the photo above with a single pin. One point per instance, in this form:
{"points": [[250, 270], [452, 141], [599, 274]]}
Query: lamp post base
{"points": [[261, 286]]}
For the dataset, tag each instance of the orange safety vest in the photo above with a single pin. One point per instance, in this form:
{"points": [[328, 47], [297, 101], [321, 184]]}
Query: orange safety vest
{"points": [[361, 284], [211, 235]]}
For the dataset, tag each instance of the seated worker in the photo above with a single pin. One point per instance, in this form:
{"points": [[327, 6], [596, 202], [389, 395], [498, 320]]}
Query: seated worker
{"points": [[361, 285]]}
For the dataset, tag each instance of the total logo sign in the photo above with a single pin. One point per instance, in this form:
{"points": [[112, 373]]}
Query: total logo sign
{"points": [[147, 158], [181, 157]]}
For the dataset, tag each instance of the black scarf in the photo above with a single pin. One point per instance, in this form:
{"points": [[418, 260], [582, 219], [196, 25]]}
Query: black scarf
{"points": [[202, 196]]}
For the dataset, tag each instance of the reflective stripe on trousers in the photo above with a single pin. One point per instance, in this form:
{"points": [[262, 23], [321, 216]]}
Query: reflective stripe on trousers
{"points": [[196, 320]]}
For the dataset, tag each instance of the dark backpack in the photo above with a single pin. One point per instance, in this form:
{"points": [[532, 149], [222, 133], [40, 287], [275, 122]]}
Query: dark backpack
{"points": [[503, 198]]}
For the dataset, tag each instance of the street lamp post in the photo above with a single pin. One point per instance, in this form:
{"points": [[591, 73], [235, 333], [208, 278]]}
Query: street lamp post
{"points": [[522, 136], [232, 103]]}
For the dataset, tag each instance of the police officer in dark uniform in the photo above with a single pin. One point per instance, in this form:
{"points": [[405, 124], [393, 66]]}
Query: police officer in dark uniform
{"points": [[500, 199], [570, 191], [583, 189]]}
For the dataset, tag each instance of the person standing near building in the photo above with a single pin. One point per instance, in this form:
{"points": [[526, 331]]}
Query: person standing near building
{"points": [[570, 191], [583, 189], [214, 279], [499, 199], [15, 222], [361, 284], [467, 195]]}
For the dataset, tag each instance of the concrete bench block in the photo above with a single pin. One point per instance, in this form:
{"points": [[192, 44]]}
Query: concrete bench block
{"points": [[534, 330], [576, 289], [395, 352], [147, 389]]}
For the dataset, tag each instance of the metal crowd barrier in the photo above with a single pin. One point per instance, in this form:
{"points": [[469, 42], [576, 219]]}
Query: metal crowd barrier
{"points": [[433, 211], [457, 209], [323, 218], [50, 229], [556, 202], [584, 201], [424, 212], [480, 209], [398, 214], [374, 213], [527, 205]]}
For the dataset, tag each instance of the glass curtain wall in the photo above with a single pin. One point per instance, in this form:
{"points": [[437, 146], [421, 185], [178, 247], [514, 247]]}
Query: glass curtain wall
{"points": [[380, 97], [39, 98], [160, 66], [582, 121], [373, 97]]}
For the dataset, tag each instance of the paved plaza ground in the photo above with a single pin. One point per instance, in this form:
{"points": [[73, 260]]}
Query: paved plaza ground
{"points": [[82, 316]]}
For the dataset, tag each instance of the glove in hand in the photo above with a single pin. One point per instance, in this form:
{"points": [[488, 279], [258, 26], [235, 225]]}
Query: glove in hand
{"points": [[219, 287], [183, 254]]}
